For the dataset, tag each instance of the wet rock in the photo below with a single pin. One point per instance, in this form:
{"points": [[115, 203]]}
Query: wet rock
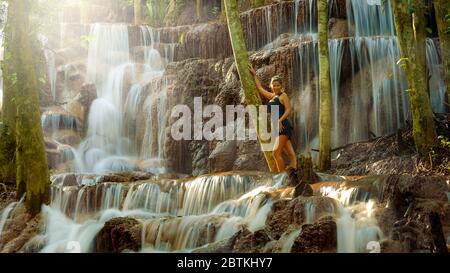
{"points": [[69, 54], [19, 228], [250, 157], [248, 242], [392, 187], [54, 158], [34, 245], [205, 41], [279, 219], [391, 246], [122, 177], [186, 13], [223, 156], [317, 237], [223, 246], [297, 211], [303, 189], [338, 28], [56, 118], [118, 235], [64, 180], [414, 211]]}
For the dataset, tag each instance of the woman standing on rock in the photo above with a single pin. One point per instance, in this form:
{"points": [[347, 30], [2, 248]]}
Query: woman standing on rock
{"points": [[283, 142]]}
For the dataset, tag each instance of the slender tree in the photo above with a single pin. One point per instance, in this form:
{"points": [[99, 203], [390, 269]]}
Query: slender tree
{"points": [[199, 8], [84, 11], [137, 12], [325, 87], [8, 128], [32, 176], [410, 28], [257, 3], [241, 60], [442, 11]]}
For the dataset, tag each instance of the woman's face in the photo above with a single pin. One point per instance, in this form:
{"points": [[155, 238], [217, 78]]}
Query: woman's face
{"points": [[276, 87]]}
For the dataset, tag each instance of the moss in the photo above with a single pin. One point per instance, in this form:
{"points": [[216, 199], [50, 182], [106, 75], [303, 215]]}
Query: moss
{"points": [[325, 88], [412, 49], [30, 158], [241, 59], [442, 9]]}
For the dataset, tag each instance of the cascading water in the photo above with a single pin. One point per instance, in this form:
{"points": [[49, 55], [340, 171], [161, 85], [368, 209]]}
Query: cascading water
{"points": [[374, 93], [110, 143], [174, 214], [370, 19], [183, 215], [356, 224], [336, 49], [436, 82], [51, 70]]}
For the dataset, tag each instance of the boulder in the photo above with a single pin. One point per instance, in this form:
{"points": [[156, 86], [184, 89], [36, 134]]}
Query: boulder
{"points": [[248, 242], [297, 212], [118, 235], [317, 237]]}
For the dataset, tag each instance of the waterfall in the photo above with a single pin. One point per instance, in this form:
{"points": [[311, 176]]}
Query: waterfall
{"points": [[307, 64], [336, 51], [375, 92], [379, 103], [308, 16], [182, 215], [369, 19], [112, 142], [263, 25], [356, 224], [51, 71], [173, 216], [436, 77], [109, 49], [156, 120]]}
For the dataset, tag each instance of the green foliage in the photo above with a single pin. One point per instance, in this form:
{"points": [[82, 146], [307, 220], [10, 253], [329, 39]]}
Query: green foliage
{"points": [[86, 40], [216, 10], [444, 142], [447, 18], [157, 11]]}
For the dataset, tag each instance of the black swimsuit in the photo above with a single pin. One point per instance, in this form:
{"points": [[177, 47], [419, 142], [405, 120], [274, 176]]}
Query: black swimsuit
{"points": [[288, 129]]}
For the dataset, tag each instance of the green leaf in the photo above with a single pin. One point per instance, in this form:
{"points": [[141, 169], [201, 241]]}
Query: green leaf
{"points": [[429, 30]]}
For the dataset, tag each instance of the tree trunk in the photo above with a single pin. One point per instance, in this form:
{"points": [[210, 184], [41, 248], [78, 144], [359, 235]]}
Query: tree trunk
{"points": [[7, 134], [442, 9], [31, 158], [325, 87], [84, 11], [258, 3], [137, 12], [241, 59], [199, 9], [411, 35]]}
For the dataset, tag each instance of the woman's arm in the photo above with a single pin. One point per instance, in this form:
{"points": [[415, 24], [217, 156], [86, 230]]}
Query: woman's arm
{"points": [[263, 92], [284, 99]]}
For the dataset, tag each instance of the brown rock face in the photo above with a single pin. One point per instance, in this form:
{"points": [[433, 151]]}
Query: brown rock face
{"points": [[415, 215], [18, 230], [118, 235], [297, 212], [317, 237], [248, 242]]}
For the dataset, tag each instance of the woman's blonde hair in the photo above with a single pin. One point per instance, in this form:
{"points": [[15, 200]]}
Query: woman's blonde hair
{"points": [[278, 79]]}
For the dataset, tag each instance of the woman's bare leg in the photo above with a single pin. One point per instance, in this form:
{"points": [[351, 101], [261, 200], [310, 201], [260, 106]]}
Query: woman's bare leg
{"points": [[290, 152], [280, 143]]}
